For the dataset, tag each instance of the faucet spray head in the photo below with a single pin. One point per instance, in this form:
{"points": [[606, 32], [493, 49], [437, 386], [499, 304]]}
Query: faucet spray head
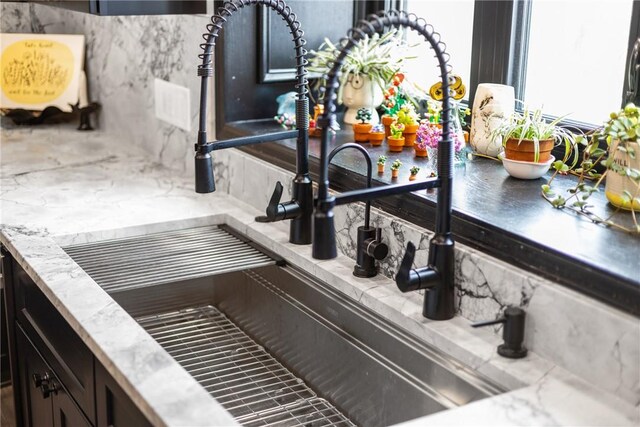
{"points": [[204, 165], [324, 231], [204, 173]]}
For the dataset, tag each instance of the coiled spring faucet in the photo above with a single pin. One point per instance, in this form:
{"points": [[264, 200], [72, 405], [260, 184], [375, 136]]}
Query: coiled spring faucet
{"points": [[438, 276], [300, 208]]}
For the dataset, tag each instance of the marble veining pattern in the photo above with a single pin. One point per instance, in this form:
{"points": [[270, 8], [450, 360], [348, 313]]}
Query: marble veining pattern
{"points": [[124, 54]]}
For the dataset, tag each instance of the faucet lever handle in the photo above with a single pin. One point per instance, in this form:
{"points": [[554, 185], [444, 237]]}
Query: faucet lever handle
{"points": [[403, 276], [274, 203]]}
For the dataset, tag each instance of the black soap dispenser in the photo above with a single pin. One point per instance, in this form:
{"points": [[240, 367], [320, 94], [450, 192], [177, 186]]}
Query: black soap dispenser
{"points": [[512, 332]]}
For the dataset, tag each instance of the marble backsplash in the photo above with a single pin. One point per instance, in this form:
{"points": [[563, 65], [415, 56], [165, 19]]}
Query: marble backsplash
{"points": [[586, 337], [124, 54]]}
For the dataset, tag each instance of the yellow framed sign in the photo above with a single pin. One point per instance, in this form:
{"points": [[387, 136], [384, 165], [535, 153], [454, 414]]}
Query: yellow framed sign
{"points": [[40, 70]]}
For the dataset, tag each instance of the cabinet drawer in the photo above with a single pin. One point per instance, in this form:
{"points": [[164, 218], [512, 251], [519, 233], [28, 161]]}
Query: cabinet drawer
{"points": [[56, 340], [50, 406]]}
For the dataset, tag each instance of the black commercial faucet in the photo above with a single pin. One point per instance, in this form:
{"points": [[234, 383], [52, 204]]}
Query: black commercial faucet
{"points": [[300, 208], [438, 276], [370, 247]]}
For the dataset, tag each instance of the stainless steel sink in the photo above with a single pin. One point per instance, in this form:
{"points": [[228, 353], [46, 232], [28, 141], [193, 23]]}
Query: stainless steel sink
{"points": [[240, 332]]}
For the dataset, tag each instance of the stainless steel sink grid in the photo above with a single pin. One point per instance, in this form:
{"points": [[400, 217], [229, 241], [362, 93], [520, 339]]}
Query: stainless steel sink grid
{"points": [[240, 326], [253, 386], [134, 262]]}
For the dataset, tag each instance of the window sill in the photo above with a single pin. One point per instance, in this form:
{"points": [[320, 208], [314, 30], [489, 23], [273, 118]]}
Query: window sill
{"points": [[494, 213]]}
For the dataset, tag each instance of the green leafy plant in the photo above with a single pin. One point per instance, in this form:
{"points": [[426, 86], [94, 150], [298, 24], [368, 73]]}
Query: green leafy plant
{"points": [[617, 134], [396, 130], [382, 160], [378, 57], [530, 125], [414, 170], [364, 115], [396, 165]]}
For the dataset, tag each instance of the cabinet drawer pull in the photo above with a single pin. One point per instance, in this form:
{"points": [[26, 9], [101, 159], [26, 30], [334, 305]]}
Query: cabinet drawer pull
{"points": [[46, 383]]}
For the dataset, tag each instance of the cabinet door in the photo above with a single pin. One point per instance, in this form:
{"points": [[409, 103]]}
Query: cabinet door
{"points": [[113, 407], [36, 406], [66, 412]]}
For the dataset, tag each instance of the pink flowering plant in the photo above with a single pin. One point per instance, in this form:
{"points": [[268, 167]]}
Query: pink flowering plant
{"points": [[429, 136]]}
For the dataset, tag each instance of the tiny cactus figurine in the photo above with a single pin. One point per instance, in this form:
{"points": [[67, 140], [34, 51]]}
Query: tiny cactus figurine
{"points": [[396, 130], [395, 166], [381, 161], [396, 140], [413, 173], [361, 130]]}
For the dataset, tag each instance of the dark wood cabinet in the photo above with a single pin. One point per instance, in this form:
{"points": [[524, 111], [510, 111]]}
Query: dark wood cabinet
{"points": [[56, 379], [114, 408], [125, 7], [47, 401]]}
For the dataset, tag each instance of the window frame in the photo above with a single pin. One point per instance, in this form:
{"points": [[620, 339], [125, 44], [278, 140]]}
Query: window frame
{"points": [[500, 45]]}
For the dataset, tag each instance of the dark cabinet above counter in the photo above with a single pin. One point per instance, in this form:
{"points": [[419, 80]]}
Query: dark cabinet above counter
{"points": [[137, 7]]}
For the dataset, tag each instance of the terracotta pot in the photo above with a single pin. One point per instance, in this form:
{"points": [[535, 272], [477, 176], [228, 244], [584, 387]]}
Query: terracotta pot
{"points": [[361, 131], [380, 168], [419, 152], [376, 138], [412, 177], [395, 144], [386, 121], [409, 134], [525, 151], [394, 173]]}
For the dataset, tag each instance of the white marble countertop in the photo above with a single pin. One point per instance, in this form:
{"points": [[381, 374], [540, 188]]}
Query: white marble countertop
{"points": [[61, 186]]}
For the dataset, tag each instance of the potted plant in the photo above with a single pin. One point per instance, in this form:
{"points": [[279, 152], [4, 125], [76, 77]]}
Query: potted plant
{"points": [[427, 135], [620, 157], [365, 71], [376, 135], [394, 99], [527, 137], [396, 140], [413, 173], [361, 130], [381, 161], [408, 117], [395, 167]]}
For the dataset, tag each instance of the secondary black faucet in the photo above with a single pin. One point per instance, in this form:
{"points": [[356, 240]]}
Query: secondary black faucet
{"points": [[370, 246], [300, 207], [438, 276]]}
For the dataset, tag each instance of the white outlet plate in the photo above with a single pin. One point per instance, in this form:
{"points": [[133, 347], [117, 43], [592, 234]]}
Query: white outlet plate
{"points": [[173, 104]]}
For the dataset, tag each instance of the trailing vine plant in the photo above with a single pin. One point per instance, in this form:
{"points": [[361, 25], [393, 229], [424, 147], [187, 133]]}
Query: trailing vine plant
{"points": [[622, 129]]}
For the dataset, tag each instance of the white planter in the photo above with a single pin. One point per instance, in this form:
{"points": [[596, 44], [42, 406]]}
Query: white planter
{"points": [[361, 92], [616, 184], [492, 104]]}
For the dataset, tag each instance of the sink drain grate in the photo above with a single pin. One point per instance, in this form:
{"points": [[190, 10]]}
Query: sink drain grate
{"points": [[252, 385], [136, 262]]}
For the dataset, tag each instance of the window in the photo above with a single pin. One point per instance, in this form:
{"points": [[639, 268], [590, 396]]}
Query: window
{"points": [[577, 53], [454, 21]]}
